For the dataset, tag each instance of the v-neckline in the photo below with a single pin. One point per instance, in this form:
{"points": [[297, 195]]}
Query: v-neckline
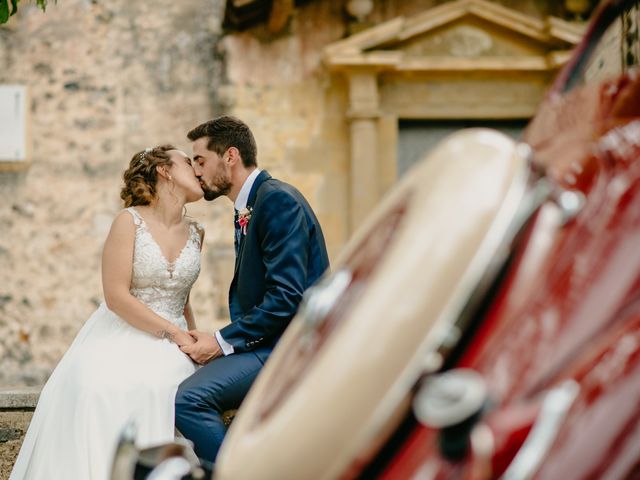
{"points": [[153, 239]]}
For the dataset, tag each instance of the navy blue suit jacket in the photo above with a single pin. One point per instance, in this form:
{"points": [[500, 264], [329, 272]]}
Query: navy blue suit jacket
{"points": [[281, 255]]}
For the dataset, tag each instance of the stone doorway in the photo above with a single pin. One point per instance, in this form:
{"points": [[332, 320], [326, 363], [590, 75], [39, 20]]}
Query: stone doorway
{"points": [[465, 59]]}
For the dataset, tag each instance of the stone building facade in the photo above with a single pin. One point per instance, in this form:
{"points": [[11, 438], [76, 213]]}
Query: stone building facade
{"points": [[323, 93]]}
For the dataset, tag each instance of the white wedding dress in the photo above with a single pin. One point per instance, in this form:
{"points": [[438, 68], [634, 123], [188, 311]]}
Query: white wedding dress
{"points": [[114, 373]]}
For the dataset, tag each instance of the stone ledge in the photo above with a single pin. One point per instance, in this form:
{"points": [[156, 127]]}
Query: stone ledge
{"points": [[19, 398]]}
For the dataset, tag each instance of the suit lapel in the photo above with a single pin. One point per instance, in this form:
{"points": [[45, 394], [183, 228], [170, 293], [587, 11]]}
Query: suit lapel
{"points": [[260, 179]]}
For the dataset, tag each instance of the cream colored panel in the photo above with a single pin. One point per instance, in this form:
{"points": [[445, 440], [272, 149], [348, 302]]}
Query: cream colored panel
{"points": [[13, 123], [456, 205]]}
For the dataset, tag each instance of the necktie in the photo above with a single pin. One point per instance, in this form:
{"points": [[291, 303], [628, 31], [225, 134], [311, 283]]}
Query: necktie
{"points": [[236, 233]]}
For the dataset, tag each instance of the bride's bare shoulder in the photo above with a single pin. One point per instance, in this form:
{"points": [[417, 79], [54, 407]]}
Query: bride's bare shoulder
{"points": [[125, 222]]}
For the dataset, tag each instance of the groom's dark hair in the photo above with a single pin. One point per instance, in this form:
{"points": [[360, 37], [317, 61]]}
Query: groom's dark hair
{"points": [[225, 132]]}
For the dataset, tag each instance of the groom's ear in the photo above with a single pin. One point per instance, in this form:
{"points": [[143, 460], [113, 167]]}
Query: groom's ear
{"points": [[234, 156]]}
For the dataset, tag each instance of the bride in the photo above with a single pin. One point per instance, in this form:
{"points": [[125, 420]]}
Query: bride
{"points": [[125, 363]]}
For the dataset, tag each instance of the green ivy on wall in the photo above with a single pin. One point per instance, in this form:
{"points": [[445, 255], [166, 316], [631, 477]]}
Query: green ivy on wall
{"points": [[5, 12]]}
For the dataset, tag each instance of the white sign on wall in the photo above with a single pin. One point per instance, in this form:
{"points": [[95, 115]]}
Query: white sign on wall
{"points": [[13, 123]]}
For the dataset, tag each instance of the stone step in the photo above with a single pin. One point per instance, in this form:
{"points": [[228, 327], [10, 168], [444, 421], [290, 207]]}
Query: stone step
{"points": [[19, 398]]}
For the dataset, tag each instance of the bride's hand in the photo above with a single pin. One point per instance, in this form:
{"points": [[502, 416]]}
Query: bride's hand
{"points": [[182, 338]]}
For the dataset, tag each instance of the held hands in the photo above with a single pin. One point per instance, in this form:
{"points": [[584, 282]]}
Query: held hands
{"points": [[204, 349], [182, 338]]}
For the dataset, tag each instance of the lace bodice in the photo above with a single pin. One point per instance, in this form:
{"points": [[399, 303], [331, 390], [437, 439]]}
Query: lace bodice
{"points": [[159, 284]]}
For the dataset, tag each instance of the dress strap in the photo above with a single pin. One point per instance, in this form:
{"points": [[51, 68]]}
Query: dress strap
{"points": [[137, 219], [197, 229]]}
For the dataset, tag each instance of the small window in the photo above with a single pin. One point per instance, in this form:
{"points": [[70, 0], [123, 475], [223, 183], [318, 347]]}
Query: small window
{"points": [[13, 125], [417, 137]]}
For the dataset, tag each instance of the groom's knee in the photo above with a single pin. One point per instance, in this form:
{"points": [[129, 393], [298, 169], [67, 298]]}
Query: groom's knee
{"points": [[191, 398], [187, 398]]}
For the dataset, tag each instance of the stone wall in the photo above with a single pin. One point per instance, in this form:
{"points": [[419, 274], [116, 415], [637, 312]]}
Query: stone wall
{"points": [[106, 79]]}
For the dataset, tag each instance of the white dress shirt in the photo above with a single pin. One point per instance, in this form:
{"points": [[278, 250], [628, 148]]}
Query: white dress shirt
{"points": [[240, 204]]}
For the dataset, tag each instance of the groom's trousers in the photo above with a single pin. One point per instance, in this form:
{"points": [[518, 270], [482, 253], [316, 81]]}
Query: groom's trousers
{"points": [[214, 388]]}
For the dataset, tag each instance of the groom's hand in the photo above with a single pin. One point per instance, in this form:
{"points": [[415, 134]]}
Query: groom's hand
{"points": [[204, 349]]}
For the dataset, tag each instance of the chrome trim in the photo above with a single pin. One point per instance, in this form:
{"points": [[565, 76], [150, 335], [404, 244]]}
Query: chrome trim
{"points": [[570, 202], [553, 412], [431, 362], [125, 457], [321, 298], [483, 447], [450, 398]]}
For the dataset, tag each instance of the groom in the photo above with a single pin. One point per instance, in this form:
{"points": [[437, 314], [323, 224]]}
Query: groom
{"points": [[280, 252]]}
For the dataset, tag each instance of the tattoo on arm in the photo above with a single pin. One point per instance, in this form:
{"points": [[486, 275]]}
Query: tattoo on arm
{"points": [[166, 334]]}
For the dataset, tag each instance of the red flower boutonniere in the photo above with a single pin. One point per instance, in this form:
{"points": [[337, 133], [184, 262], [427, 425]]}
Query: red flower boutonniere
{"points": [[244, 216]]}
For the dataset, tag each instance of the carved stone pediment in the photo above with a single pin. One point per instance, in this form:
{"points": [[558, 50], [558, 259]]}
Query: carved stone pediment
{"points": [[461, 35], [468, 38]]}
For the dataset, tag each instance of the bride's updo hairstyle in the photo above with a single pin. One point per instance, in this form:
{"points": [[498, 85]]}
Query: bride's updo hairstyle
{"points": [[141, 178]]}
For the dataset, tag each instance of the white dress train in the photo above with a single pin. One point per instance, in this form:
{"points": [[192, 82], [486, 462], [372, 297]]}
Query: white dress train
{"points": [[114, 373]]}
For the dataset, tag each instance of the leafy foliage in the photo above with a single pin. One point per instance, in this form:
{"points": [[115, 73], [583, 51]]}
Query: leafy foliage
{"points": [[6, 12]]}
